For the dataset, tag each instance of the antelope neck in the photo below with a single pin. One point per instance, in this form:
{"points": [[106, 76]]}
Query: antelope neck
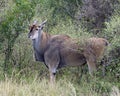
{"points": [[36, 42]]}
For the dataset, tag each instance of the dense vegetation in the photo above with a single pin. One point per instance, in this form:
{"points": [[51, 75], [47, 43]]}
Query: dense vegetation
{"points": [[77, 18]]}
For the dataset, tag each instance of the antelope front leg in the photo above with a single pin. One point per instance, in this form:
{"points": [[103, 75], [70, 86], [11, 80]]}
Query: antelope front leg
{"points": [[52, 77]]}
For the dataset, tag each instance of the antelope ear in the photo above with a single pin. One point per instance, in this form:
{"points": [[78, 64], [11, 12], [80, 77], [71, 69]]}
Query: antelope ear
{"points": [[43, 23], [41, 27]]}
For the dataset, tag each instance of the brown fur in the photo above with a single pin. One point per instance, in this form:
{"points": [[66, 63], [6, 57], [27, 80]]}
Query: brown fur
{"points": [[61, 50]]}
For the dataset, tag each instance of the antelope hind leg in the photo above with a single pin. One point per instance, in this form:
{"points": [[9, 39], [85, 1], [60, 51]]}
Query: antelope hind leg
{"points": [[91, 65]]}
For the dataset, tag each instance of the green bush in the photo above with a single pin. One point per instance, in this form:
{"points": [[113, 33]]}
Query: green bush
{"points": [[15, 22], [112, 33], [16, 53]]}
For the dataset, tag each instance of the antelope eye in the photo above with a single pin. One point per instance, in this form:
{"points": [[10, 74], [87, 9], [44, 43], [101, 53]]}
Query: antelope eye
{"points": [[37, 29]]}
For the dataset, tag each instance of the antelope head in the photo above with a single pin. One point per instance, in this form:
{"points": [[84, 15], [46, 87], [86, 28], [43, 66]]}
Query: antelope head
{"points": [[35, 30]]}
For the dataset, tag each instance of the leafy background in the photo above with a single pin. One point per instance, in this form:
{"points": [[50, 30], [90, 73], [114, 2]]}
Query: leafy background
{"points": [[76, 18]]}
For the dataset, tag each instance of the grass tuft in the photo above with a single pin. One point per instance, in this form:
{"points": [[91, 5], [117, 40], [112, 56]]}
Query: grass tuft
{"points": [[62, 87]]}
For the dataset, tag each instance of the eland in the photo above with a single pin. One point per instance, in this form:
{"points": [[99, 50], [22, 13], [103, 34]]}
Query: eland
{"points": [[57, 51]]}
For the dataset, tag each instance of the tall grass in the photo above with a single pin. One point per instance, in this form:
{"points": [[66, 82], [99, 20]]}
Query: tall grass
{"points": [[10, 87], [62, 87]]}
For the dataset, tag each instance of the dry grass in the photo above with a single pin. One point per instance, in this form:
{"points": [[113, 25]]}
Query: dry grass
{"points": [[11, 87], [36, 88]]}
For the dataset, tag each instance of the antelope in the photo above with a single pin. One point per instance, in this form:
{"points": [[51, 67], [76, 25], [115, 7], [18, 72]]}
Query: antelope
{"points": [[57, 51]]}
